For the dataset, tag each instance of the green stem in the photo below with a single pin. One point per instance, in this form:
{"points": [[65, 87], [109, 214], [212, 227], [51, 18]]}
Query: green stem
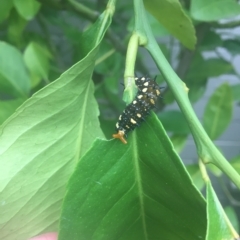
{"points": [[207, 151], [85, 11], [129, 78]]}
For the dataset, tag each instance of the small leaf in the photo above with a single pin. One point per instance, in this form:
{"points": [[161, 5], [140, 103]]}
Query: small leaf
{"points": [[27, 8], [211, 41], [196, 175], [5, 8], [236, 92], [140, 190], [214, 10], [219, 226], [169, 119], [206, 68], [37, 58], [171, 15], [179, 141], [16, 25], [218, 112], [14, 78], [232, 46]]}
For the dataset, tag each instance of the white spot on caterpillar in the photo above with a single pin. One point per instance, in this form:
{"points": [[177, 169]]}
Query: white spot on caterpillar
{"points": [[117, 125], [143, 79], [134, 102], [136, 78], [146, 84], [140, 96], [139, 115], [127, 126], [152, 101], [158, 92], [133, 121], [120, 117], [144, 90]]}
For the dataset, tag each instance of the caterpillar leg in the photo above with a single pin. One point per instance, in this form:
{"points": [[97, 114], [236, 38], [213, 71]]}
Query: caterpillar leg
{"points": [[120, 135]]}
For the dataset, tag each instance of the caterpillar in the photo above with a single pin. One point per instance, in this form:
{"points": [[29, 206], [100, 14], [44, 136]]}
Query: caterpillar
{"points": [[136, 112]]}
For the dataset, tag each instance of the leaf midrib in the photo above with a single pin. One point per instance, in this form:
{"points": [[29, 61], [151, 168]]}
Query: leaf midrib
{"points": [[139, 182], [82, 120]]}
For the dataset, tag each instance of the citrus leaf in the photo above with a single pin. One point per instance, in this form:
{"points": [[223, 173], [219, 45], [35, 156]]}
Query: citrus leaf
{"points": [[218, 112], [219, 226], [41, 144], [236, 91], [179, 141], [236, 163], [179, 26], [27, 8], [196, 175], [37, 58], [140, 190], [232, 215], [169, 119], [8, 107], [5, 8], [14, 78], [213, 10]]}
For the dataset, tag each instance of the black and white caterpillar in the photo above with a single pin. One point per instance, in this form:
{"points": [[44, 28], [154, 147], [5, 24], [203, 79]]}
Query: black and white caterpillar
{"points": [[136, 112]]}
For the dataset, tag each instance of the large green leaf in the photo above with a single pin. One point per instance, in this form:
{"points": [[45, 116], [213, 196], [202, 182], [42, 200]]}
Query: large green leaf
{"points": [[171, 15], [8, 107], [42, 142], [213, 10], [14, 78], [218, 112], [136, 191], [219, 226]]}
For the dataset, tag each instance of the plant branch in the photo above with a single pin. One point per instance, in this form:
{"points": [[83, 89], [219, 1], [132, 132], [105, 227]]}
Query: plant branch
{"points": [[207, 151], [85, 11], [113, 38]]}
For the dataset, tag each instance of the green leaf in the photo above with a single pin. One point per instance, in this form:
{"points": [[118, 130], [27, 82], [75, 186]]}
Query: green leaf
{"points": [[27, 8], [236, 163], [218, 112], [37, 58], [169, 120], [232, 45], [196, 175], [16, 25], [204, 68], [231, 214], [5, 8], [211, 41], [236, 92], [14, 79], [41, 144], [140, 190], [8, 107], [214, 10], [179, 141], [171, 15], [219, 226]]}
